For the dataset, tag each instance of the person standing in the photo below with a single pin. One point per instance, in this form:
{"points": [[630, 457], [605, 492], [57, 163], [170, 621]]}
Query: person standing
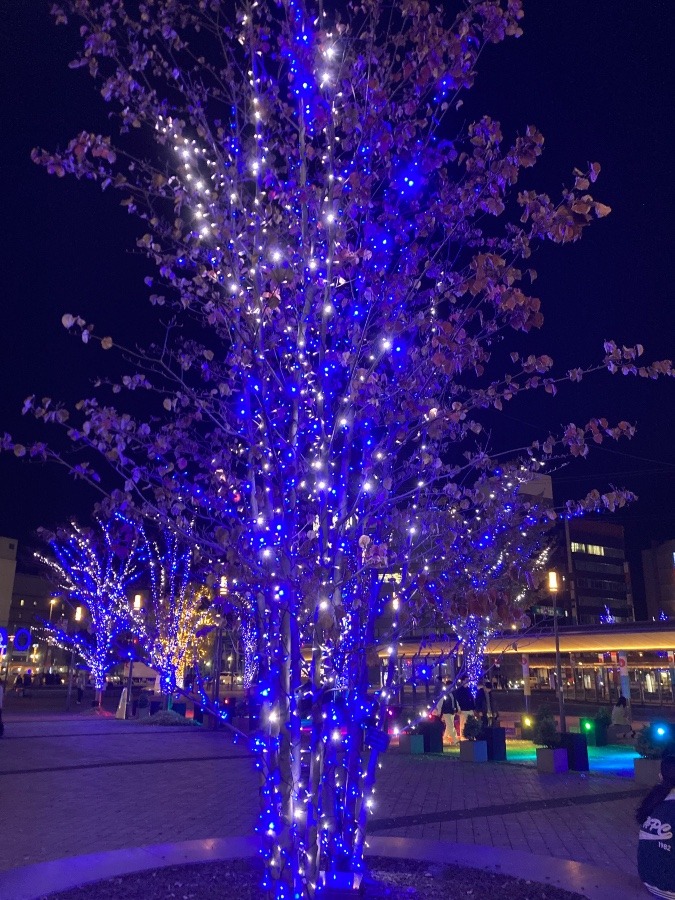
{"points": [[466, 703], [18, 684], [449, 709], [486, 704], [81, 684]]}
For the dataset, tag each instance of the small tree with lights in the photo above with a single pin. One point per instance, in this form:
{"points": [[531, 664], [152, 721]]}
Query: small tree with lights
{"points": [[490, 553], [95, 568], [172, 629], [326, 235]]}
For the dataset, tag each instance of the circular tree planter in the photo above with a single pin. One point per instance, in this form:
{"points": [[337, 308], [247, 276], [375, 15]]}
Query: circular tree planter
{"points": [[221, 865], [340, 885]]}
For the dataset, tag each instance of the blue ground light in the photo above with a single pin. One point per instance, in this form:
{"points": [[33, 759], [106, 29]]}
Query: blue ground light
{"points": [[615, 759]]}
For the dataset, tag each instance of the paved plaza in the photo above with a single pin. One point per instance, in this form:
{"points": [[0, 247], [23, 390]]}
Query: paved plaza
{"points": [[80, 784]]}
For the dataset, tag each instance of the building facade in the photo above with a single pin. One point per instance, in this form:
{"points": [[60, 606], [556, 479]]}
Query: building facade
{"points": [[658, 565], [33, 602], [598, 586], [7, 572]]}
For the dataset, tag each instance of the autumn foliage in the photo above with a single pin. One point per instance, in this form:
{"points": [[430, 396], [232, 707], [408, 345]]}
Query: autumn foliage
{"points": [[336, 257]]}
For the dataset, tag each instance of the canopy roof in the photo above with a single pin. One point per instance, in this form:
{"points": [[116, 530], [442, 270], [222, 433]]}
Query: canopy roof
{"points": [[650, 636]]}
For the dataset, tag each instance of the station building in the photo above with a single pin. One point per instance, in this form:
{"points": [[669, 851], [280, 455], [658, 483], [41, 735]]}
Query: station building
{"points": [[598, 663]]}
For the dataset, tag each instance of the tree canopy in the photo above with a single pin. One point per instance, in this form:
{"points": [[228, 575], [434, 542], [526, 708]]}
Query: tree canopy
{"points": [[343, 272]]}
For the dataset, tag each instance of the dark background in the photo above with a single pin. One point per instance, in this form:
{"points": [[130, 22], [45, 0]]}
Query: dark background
{"points": [[595, 77]]}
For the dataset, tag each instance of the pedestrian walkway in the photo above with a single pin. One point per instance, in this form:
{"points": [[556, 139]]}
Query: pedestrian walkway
{"points": [[73, 785], [578, 816], [80, 784]]}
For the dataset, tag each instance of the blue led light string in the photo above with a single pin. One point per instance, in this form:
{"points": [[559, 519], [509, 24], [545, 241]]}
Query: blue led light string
{"points": [[96, 570]]}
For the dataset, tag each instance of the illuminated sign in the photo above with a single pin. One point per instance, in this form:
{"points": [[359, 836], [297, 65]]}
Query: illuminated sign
{"points": [[22, 640]]}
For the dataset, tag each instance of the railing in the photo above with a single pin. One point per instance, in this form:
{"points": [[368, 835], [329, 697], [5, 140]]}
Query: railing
{"points": [[663, 696]]}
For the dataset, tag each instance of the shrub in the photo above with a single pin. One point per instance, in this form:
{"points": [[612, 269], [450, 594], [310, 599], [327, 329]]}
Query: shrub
{"points": [[545, 732], [603, 716], [426, 726], [431, 723], [653, 745], [169, 717], [472, 728]]}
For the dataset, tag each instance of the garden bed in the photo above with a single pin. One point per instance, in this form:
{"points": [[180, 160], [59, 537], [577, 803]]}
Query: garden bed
{"points": [[389, 880], [165, 717]]}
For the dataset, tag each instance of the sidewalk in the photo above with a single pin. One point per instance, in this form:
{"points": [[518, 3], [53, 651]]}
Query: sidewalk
{"points": [[74, 785], [579, 816], [80, 784]]}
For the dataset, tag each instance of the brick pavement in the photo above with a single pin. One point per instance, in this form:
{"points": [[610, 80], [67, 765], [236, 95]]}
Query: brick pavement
{"points": [[570, 816], [79, 784], [132, 785]]}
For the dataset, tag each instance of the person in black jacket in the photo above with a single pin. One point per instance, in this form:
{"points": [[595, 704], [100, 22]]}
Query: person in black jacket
{"points": [[465, 701], [486, 704], [656, 817]]}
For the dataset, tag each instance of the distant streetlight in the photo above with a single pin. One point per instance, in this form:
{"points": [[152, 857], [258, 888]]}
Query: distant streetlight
{"points": [[46, 663], [553, 590], [137, 601]]}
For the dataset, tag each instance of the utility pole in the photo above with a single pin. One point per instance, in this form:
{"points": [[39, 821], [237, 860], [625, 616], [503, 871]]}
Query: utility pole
{"points": [[71, 667], [129, 685], [553, 588], [215, 668]]}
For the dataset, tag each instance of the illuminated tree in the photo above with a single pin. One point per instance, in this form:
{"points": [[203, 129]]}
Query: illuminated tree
{"points": [[490, 551], [172, 629], [331, 257], [95, 568]]}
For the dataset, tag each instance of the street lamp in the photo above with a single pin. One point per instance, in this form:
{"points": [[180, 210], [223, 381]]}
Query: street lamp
{"points": [[553, 590], [46, 662]]}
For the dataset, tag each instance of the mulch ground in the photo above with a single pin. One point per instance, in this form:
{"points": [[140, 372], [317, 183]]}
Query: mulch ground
{"points": [[389, 880]]}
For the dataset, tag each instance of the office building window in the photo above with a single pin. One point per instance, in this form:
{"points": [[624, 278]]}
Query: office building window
{"points": [[591, 549]]}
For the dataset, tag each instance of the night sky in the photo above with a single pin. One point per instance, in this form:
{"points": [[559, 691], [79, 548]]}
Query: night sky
{"points": [[595, 77]]}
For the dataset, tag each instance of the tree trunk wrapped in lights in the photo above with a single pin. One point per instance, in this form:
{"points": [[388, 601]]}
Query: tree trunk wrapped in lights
{"points": [[249, 642], [328, 233]]}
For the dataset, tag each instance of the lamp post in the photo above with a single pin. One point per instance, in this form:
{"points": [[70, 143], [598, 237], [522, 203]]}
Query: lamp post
{"points": [[553, 589], [128, 710], [46, 663]]}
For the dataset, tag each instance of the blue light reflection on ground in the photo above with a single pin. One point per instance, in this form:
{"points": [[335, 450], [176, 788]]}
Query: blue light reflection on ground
{"points": [[616, 759], [613, 760]]}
